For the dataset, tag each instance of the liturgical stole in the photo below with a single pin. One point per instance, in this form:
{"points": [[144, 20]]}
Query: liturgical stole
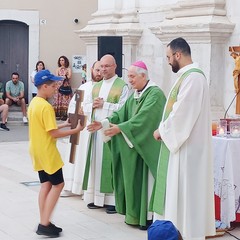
{"points": [[106, 185], [160, 188]]}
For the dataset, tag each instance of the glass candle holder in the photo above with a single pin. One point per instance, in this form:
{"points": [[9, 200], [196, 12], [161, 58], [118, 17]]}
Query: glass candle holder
{"points": [[222, 128], [235, 129], [214, 127]]}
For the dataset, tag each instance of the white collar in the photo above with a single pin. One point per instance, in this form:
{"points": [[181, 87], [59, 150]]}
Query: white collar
{"points": [[111, 79], [139, 94], [186, 68]]}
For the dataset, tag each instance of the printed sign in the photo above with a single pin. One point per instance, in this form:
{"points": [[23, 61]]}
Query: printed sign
{"points": [[77, 62]]}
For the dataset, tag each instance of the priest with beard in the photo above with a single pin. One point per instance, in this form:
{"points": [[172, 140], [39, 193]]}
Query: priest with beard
{"points": [[73, 173], [184, 192]]}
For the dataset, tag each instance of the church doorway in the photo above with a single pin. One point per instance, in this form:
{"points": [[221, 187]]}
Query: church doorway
{"points": [[14, 51]]}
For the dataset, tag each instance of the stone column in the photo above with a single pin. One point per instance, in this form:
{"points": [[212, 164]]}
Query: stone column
{"points": [[113, 20], [205, 26]]}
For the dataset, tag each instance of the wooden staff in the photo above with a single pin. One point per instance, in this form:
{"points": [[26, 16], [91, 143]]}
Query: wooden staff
{"points": [[74, 117]]}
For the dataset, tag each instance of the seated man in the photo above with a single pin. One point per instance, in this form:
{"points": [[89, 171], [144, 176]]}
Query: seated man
{"points": [[3, 110], [1, 93], [15, 94]]}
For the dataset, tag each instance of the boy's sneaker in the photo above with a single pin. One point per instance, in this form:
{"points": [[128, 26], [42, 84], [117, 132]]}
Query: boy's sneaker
{"points": [[25, 120], [50, 230], [4, 127], [57, 228]]}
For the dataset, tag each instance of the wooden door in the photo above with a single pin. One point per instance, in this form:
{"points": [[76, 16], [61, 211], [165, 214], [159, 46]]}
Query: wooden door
{"points": [[14, 46]]}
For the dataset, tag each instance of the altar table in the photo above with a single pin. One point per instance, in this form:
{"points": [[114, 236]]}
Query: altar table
{"points": [[226, 153]]}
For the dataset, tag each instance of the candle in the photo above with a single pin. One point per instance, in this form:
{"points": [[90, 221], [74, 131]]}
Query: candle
{"points": [[214, 128], [235, 133], [221, 132]]}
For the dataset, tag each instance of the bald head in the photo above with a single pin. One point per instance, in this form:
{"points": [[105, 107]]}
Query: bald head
{"points": [[108, 66], [108, 58]]}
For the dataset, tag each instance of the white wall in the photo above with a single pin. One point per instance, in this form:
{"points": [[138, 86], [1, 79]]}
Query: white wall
{"points": [[56, 37], [206, 25]]}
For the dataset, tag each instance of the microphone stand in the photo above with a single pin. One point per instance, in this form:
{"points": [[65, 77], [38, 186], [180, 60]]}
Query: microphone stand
{"points": [[231, 103]]}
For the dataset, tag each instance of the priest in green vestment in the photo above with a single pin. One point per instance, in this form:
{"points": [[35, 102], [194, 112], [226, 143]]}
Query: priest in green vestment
{"points": [[133, 147], [107, 96]]}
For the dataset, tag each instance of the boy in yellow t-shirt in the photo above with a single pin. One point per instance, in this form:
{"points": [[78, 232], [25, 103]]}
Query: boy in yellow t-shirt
{"points": [[43, 132]]}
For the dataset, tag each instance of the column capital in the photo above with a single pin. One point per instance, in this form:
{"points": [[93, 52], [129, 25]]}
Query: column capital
{"points": [[197, 21], [112, 23]]}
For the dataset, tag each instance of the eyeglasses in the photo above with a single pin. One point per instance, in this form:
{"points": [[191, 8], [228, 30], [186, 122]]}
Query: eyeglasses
{"points": [[168, 57], [106, 66]]}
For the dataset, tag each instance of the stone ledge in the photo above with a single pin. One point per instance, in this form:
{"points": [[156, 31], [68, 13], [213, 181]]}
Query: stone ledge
{"points": [[15, 114]]}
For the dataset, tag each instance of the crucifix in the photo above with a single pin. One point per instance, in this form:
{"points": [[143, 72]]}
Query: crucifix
{"points": [[235, 53], [74, 117]]}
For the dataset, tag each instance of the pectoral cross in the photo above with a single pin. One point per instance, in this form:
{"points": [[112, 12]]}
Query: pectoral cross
{"points": [[74, 117]]}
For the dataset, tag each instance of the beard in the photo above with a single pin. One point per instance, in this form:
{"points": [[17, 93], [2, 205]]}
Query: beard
{"points": [[175, 66], [96, 78]]}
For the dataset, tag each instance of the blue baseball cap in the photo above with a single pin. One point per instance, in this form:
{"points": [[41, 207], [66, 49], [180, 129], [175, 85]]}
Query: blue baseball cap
{"points": [[43, 76], [162, 230]]}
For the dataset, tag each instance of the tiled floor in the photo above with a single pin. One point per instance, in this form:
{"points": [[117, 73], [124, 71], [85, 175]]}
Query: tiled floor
{"points": [[19, 210]]}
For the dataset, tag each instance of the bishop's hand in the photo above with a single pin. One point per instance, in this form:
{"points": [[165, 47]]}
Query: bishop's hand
{"points": [[94, 126], [112, 131]]}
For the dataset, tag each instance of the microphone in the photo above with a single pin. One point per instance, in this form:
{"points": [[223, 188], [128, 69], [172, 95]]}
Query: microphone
{"points": [[225, 114]]}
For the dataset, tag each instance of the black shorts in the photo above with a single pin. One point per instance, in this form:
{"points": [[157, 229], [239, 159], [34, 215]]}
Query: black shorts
{"points": [[55, 178]]}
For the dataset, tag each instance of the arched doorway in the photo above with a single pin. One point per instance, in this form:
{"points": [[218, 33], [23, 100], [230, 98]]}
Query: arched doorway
{"points": [[14, 51]]}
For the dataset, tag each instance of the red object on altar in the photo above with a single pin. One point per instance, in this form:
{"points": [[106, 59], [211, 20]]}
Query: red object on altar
{"points": [[218, 211], [217, 207]]}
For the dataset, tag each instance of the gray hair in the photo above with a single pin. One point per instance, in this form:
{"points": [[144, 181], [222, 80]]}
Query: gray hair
{"points": [[141, 70]]}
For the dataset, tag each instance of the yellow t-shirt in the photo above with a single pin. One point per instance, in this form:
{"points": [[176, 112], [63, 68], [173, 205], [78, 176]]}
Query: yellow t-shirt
{"points": [[43, 150]]}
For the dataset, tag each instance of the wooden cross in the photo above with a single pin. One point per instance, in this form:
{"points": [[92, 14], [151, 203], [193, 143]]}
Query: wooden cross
{"points": [[74, 117], [235, 53]]}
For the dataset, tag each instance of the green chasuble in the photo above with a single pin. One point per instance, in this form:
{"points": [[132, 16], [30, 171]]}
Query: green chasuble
{"points": [[137, 119], [106, 185]]}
